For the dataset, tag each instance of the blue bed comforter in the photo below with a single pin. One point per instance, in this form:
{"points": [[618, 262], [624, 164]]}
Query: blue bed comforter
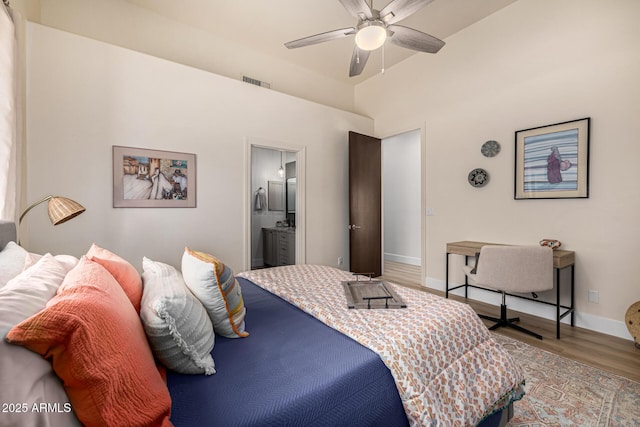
{"points": [[292, 370]]}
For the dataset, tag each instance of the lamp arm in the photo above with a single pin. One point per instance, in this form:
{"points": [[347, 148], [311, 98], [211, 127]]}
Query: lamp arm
{"points": [[33, 206]]}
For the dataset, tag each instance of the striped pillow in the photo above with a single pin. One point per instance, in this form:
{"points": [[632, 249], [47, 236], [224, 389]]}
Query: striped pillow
{"points": [[176, 323], [214, 284]]}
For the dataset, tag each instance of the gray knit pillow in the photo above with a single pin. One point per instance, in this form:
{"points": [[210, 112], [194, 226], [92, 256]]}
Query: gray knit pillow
{"points": [[176, 323], [11, 262]]}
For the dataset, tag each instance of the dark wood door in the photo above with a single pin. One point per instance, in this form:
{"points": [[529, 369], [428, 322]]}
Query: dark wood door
{"points": [[365, 204]]}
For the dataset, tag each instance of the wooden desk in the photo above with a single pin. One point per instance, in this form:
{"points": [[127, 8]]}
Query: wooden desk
{"points": [[561, 260]]}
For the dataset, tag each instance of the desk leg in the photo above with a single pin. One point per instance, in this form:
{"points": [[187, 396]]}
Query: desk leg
{"points": [[572, 293], [466, 282], [557, 303], [446, 278]]}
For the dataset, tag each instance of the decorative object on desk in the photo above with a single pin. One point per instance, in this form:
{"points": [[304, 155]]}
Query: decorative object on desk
{"points": [[490, 148], [552, 162], [144, 178], [61, 209], [553, 244], [478, 177], [632, 319]]}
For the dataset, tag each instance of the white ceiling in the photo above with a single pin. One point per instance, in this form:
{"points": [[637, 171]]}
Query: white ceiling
{"points": [[266, 25]]}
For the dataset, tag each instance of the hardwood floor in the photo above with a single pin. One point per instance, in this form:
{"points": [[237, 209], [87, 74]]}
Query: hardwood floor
{"points": [[603, 351]]}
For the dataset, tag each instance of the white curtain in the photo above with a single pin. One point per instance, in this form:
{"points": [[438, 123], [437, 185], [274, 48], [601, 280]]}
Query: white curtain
{"points": [[10, 115]]}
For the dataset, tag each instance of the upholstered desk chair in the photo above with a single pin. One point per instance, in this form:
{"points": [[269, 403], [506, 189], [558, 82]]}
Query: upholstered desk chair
{"points": [[512, 269]]}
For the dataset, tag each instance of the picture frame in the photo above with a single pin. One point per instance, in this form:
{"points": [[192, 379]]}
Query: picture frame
{"points": [[552, 161], [146, 178]]}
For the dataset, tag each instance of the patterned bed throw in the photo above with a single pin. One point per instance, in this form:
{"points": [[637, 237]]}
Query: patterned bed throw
{"points": [[448, 369]]}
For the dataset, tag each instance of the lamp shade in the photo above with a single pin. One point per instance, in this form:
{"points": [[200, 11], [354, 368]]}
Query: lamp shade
{"points": [[371, 36], [62, 209]]}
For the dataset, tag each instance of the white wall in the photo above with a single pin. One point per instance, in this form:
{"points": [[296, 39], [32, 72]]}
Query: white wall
{"points": [[84, 96], [125, 24], [401, 192], [532, 63]]}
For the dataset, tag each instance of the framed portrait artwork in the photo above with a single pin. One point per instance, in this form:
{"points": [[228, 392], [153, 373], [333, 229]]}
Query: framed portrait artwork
{"points": [[144, 178], [552, 162]]}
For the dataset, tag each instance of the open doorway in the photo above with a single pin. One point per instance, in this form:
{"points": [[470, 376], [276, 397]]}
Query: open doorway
{"points": [[276, 206], [402, 207]]}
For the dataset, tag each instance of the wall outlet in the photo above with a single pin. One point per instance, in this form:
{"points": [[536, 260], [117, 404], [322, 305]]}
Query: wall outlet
{"points": [[594, 297], [340, 260]]}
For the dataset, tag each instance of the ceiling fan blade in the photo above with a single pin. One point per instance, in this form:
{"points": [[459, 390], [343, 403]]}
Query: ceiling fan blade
{"points": [[397, 10], [358, 8], [319, 38], [358, 61], [414, 39]]}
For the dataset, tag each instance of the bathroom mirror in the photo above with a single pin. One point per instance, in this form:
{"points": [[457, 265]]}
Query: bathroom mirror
{"points": [[276, 196]]}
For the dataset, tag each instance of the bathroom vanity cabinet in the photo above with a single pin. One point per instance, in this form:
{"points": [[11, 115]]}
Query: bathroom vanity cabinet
{"points": [[279, 246]]}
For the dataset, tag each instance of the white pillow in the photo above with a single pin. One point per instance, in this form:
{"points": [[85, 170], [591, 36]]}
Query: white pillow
{"points": [[27, 378], [11, 262], [67, 261], [177, 325]]}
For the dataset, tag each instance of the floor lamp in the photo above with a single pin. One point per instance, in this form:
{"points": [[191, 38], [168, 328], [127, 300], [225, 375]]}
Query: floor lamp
{"points": [[61, 209]]}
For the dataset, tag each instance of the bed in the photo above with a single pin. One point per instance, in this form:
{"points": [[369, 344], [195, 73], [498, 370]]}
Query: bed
{"points": [[300, 357]]}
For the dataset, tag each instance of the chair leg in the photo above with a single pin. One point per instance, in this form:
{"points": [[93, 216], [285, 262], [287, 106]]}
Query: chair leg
{"points": [[507, 322], [521, 329], [493, 319]]}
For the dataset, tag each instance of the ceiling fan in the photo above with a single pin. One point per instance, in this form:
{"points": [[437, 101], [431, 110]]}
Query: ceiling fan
{"points": [[374, 28]]}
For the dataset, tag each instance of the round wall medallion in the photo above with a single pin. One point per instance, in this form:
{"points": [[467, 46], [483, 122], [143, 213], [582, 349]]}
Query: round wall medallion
{"points": [[478, 177], [490, 148]]}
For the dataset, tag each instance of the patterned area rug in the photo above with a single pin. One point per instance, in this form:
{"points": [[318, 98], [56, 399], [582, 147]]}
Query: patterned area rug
{"points": [[562, 392]]}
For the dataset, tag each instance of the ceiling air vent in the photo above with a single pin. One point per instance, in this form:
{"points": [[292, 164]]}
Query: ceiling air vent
{"points": [[256, 82]]}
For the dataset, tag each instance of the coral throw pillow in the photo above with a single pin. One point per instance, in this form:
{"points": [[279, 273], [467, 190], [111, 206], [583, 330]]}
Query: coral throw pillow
{"points": [[97, 346], [125, 273]]}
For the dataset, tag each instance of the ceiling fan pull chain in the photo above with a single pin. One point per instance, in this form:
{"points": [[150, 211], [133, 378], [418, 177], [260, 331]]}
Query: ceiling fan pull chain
{"points": [[383, 59]]}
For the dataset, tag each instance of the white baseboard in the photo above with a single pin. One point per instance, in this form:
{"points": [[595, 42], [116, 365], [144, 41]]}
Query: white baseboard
{"points": [[583, 320], [403, 259]]}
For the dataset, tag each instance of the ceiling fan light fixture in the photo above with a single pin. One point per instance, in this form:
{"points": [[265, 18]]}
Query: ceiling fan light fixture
{"points": [[371, 35], [373, 28]]}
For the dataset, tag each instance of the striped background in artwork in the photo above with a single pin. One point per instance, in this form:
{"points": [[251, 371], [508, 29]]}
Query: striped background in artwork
{"points": [[536, 151]]}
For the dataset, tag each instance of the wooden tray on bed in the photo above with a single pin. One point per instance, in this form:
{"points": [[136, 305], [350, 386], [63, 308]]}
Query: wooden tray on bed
{"points": [[370, 294]]}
